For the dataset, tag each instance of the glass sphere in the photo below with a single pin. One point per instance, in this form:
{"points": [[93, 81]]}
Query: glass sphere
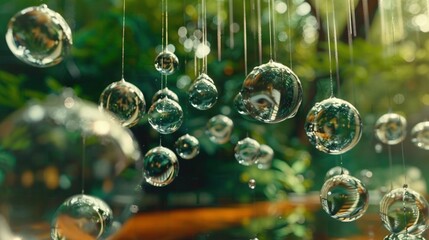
{"points": [[125, 101], [165, 92], [247, 151], [333, 126], [335, 171], [81, 217], [203, 93], [239, 105], [252, 183], [165, 116], [265, 157], [391, 128], [187, 146], [272, 93], [219, 129], [403, 210], [166, 62], [420, 135], [344, 198], [39, 36], [403, 236], [160, 166]]}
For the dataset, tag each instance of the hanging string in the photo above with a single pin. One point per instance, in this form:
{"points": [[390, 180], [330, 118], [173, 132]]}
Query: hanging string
{"points": [[83, 163], [290, 32], [337, 68], [274, 30], [245, 37], [205, 34], [258, 9], [403, 163], [329, 50], [231, 24], [353, 17], [366, 17], [219, 30], [389, 148], [123, 42], [270, 30]]}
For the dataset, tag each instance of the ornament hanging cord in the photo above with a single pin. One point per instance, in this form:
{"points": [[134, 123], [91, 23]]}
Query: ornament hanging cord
{"points": [[123, 42]]}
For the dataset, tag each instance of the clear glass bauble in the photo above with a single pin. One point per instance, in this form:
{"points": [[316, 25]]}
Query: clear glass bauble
{"points": [[165, 116], [239, 105], [125, 101], [337, 170], [39, 36], [160, 166], [187, 146], [265, 157], [166, 62], [247, 151], [203, 93], [81, 217], [165, 92], [420, 135], [219, 129], [333, 126], [391, 128], [344, 198], [403, 236], [403, 210], [272, 93]]}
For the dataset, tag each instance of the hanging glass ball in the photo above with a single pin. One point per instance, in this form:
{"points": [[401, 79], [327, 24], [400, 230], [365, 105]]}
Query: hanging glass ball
{"points": [[239, 105], [403, 210], [81, 217], [39, 36], [391, 128], [265, 157], [219, 129], [165, 92], [247, 151], [203, 93], [187, 146], [160, 166], [252, 183], [335, 171], [165, 116], [333, 126], [166, 62], [125, 101], [403, 236], [272, 93], [420, 135], [344, 197]]}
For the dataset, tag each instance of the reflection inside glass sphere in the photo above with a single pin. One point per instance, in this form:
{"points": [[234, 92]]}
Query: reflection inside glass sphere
{"points": [[160, 166]]}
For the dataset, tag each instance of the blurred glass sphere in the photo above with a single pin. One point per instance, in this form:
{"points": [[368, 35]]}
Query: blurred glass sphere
{"points": [[403, 236], [166, 62], [39, 36], [247, 151], [337, 170], [203, 93], [271, 93], [420, 135], [265, 157], [391, 128], [187, 146], [165, 92], [219, 129], [160, 166]]}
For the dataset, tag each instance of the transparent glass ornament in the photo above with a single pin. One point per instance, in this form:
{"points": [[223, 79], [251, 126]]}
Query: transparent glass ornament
{"points": [[272, 93], [336, 171], [39, 36], [252, 183], [165, 116], [219, 129], [420, 135], [344, 198], [247, 151], [239, 105], [403, 236], [391, 128], [165, 92], [265, 157], [125, 101], [160, 166], [203, 93], [333, 126], [403, 210], [81, 217], [166, 62], [187, 146]]}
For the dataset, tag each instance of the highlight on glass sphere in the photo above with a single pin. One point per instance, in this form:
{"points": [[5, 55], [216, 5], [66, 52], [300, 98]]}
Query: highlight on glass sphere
{"points": [[125, 101], [344, 198], [219, 129], [391, 128], [203, 93], [166, 62], [272, 93], [81, 217], [420, 135], [160, 166], [165, 116], [247, 151], [335, 171], [403, 236], [165, 92], [239, 105], [265, 157], [333, 126], [404, 210], [187, 146], [39, 36]]}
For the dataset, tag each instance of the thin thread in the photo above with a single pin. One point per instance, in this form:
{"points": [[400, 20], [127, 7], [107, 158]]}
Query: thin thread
{"points": [[205, 33], [245, 37], [123, 42], [337, 68], [274, 31], [349, 18], [163, 24], [403, 163], [231, 25], [270, 31], [329, 51], [353, 15], [83, 164], [290, 34], [219, 30], [389, 148], [365, 17], [258, 8], [166, 23]]}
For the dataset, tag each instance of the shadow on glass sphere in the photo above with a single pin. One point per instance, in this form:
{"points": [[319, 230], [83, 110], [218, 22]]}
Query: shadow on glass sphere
{"points": [[165, 116], [187, 146], [166, 62], [271, 93], [203, 93], [247, 151], [403, 210], [403, 236], [420, 135], [81, 217], [391, 128], [333, 126], [39, 36], [125, 101], [265, 157], [165, 92], [344, 198], [160, 166]]}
